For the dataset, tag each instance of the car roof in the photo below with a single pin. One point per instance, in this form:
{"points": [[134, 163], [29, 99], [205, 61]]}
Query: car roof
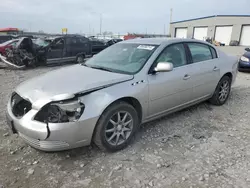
{"points": [[67, 36], [160, 41]]}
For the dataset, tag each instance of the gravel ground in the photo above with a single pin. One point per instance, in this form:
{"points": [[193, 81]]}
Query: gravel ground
{"points": [[202, 146]]}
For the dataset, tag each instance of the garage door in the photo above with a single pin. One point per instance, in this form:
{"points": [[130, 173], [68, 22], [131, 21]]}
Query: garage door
{"points": [[181, 33], [223, 34], [200, 33], [245, 36]]}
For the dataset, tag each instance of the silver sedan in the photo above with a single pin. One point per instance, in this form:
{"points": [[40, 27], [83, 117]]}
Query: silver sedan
{"points": [[104, 100]]}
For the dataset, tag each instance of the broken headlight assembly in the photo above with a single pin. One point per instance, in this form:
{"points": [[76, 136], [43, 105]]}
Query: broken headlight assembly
{"points": [[61, 112]]}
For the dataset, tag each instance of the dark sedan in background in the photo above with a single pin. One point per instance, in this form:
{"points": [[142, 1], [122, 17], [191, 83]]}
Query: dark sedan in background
{"points": [[244, 63]]}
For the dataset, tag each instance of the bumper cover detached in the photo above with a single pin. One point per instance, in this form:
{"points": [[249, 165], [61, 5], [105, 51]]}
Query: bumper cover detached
{"points": [[51, 137], [45, 145], [10, 64], [10, 124]]}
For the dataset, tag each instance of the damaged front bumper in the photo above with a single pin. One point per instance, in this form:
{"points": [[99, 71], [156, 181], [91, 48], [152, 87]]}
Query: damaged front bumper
{"points": [[51, 136], [10, 64]]}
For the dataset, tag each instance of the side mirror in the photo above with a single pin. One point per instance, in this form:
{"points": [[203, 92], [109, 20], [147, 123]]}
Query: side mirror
{"points": [[164, 67], [247, 49]]}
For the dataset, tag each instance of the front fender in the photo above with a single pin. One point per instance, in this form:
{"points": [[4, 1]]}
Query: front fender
{"points": [[96, 102]]}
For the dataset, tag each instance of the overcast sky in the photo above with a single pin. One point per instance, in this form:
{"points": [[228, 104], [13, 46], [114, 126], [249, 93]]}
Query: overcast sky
{"points": [[119, 16]]}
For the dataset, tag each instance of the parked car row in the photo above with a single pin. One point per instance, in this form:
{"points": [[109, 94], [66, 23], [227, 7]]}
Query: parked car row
{"points": [[27, 52]]}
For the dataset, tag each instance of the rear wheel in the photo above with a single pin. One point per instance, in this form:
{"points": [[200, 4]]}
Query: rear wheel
{"points": [[222, 91], [80, 59], [116, 127]]}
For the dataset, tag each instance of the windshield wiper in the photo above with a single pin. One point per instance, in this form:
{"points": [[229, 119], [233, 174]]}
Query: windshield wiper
{"points": [[100, 68]]}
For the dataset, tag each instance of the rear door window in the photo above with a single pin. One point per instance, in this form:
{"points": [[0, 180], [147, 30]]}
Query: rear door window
{"points": [[73, 41], [200, 52], [83, 40]]}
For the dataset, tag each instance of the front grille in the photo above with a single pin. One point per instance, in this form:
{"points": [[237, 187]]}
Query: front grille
{"points": [[19, 106]]}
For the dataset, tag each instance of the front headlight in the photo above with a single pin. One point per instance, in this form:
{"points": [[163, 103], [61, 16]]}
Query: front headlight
{"points": [[243, 58], [61, 112]]}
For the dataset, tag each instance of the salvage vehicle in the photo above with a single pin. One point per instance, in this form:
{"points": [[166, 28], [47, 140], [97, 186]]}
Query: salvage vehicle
{"points": [[7, 44], [105, 99], [244, 62], [35, 52], [21, 55]]}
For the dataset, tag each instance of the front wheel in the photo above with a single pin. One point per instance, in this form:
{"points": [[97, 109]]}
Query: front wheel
{"points": [[116, 127], [222, 91]]}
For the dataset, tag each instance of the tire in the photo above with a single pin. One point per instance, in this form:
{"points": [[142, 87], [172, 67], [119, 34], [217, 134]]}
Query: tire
{"points": [[102, 135], [216, 98], [80, 58]]}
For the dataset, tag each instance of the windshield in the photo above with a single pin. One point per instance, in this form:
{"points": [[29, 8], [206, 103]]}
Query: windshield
{"points": [[123, 57], [41, 42]]}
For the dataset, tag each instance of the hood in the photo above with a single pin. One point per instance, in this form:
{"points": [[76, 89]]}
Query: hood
{"points": [[63, 83]]}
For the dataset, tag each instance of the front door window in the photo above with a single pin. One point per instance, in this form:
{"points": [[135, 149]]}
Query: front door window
{"points": [[174, 54]]}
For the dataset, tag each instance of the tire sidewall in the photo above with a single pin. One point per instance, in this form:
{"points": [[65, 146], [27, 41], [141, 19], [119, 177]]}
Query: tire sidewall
{"points": [[105, 119], [216, 94]]}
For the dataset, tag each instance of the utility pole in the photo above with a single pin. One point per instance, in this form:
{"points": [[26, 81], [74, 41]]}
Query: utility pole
{"points": [[29, 26], [89, 30], [100, 24], [170, 21]]}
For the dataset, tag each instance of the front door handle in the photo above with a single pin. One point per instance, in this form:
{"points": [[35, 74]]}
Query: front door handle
{"points": [[186, 77], [215, 68]]}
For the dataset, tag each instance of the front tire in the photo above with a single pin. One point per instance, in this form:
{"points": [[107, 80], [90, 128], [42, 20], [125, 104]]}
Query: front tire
{"points": [[116, 127], [222, 91]]}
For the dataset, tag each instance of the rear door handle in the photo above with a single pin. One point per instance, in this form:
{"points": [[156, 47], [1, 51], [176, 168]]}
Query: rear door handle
{"points": [[215, 68], [186, 77]]}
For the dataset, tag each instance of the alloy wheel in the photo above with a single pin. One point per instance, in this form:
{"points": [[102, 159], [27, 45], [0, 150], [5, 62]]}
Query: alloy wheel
{"points": [[224, 90], [119, 128]]}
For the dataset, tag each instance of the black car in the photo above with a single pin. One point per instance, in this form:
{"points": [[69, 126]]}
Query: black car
{"points": [[97, 45], [30, 53], [110, 42], [69, 48], [244, 62]]}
